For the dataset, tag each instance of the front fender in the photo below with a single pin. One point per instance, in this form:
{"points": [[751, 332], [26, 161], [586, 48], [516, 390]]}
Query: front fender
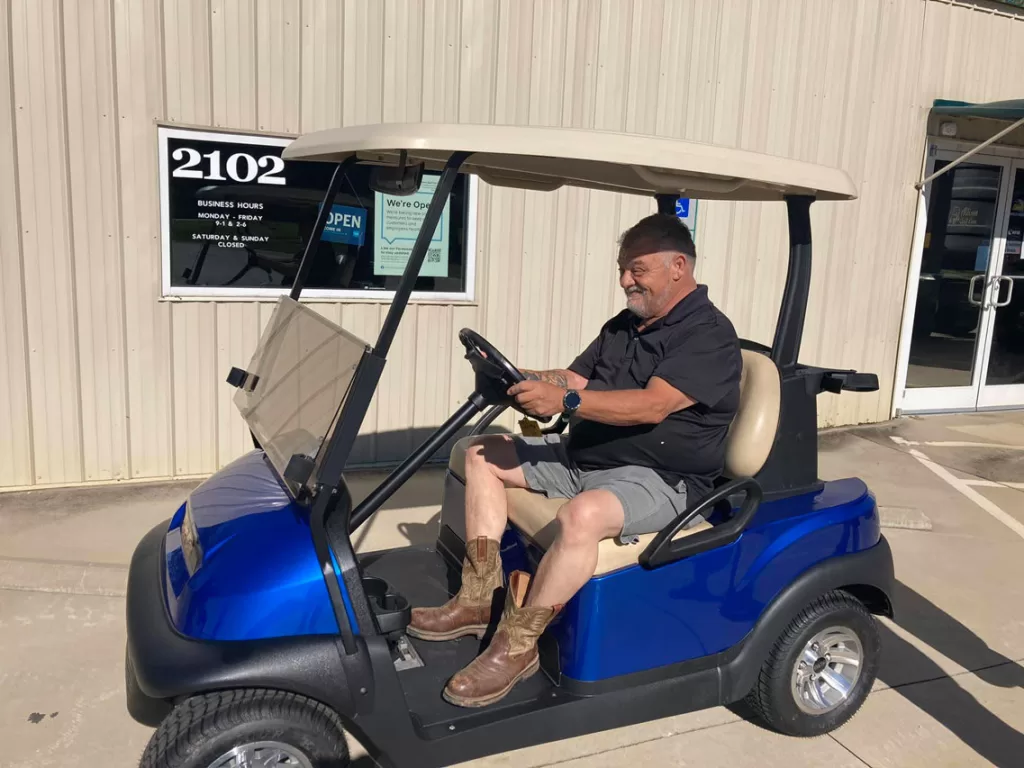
{"points": [[168, 666], [868, 570]]}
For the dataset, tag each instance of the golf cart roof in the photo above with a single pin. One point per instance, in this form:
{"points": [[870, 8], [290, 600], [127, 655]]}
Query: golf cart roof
{"points": [[547, 158]]}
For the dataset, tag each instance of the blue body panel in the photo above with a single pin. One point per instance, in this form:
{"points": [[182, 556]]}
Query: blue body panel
{"points": [[259, 576], [633, 619]]}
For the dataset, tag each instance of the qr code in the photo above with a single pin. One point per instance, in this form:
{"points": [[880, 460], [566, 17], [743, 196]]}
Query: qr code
{"points": [[434, 258]]}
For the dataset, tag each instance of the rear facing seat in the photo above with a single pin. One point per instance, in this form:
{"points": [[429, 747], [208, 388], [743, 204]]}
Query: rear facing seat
{"points": [[748, 444]]}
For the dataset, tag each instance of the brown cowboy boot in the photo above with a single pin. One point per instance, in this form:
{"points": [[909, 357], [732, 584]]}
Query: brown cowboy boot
{"points": [[512, 655], [469, 612]]}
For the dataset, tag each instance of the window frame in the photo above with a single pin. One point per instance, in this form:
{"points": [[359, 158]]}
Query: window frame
{"points": [[169, 292]]}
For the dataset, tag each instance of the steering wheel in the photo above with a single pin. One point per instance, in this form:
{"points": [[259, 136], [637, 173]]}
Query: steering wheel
{"points": [[494, 372]]}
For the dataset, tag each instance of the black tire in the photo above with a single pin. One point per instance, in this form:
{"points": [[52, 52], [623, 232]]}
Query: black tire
{"points": [[204, 728], [772, 698]]}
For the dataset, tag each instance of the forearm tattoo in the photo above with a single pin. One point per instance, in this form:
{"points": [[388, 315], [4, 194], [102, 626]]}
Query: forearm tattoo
{"points": [[558, 378]]}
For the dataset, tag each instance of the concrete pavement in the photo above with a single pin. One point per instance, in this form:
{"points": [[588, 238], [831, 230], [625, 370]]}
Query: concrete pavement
{"points": [[951, 690]]}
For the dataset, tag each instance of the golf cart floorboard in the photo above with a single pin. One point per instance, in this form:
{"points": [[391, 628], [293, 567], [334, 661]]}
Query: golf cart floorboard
{"points": [[417, 573], [436, 716], [421, 575]]}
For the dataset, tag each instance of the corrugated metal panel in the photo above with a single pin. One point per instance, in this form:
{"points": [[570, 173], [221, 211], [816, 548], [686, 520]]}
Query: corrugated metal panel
{"points": [[16, 459], [45, 240], [233, 65], [238, 331], [96, 237], [100, 379], [140, 101], [477, 61], [403, 61], [442, 36], [197, 382], [363, 46], [187, 50], [278, 31], [322, 58]]}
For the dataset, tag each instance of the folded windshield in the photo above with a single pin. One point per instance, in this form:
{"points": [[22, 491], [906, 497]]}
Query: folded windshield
{"points": [[302, 368]]}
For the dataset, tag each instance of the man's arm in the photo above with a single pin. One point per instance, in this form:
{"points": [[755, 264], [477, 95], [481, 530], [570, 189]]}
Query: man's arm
{"points": [[560, 377], [618, 407]]}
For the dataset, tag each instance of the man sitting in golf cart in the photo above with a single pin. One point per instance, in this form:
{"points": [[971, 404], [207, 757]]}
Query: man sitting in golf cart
{"points": [[651, 398]]}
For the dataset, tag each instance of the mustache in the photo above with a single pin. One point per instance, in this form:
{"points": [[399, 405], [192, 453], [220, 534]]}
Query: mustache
{"points": [[634, 290]]}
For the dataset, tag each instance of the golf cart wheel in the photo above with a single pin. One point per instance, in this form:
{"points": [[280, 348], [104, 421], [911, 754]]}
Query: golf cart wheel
{"points": [[821, 669], [248, 729]]}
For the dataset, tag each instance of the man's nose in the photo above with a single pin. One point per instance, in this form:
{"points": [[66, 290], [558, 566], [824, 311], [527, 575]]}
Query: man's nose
{"points": [[626, 280]]}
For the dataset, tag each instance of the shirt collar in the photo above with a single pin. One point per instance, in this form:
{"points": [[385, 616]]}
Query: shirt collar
{"points": [[685, 307]]}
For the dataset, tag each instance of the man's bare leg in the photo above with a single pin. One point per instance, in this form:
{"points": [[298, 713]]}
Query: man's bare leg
{"points": [[571, 560], [512, 654], [492, 465]]}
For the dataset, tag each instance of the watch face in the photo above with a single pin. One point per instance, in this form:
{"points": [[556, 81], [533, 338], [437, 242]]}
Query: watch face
{"points": [[571, 401]]}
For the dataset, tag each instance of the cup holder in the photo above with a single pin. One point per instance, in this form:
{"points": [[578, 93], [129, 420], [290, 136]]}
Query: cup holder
{"points": [[392, 610]]}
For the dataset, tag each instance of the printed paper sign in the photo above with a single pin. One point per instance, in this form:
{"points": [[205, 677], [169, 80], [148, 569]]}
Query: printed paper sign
{"points": [[397, 221]]}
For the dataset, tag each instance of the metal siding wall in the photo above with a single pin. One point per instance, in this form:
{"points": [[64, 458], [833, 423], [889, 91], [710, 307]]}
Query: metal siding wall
{"points": [[99, 380], [16, 453], [96, 236], [46, 245], [139, 45], [233, 62]]}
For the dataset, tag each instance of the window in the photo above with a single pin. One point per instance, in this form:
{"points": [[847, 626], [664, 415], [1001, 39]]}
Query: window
{"points": [[235, 219]]}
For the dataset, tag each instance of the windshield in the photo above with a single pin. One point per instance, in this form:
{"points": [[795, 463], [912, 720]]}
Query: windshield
{"points": [[304, 365]]}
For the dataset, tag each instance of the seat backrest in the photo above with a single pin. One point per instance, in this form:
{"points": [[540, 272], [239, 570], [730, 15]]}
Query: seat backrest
{"points": [[752, 431]]}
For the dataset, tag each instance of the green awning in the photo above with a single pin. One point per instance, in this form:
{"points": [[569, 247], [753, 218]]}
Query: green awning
{"points": [[1012, 109]]}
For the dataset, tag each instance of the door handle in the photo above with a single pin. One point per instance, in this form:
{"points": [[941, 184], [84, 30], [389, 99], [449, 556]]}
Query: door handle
{"points": [[1009, 293], [970, 290]]}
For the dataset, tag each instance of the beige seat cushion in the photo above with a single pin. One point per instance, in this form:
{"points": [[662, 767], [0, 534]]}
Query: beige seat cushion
{"points": [[752, 432]]}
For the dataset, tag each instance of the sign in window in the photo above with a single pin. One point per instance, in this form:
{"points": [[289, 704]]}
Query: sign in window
{"points": [[235, 218]]}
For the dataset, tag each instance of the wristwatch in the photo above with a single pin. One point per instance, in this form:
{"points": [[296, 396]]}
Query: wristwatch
{"points": [[571, 402]]}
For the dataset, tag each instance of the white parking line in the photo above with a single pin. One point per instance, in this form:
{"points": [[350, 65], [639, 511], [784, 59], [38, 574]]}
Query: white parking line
{"points": [[995, 484], [954, 444], [963, 488]]}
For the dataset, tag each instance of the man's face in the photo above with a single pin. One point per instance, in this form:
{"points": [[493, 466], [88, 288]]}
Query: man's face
{"points": [[651, 280]]}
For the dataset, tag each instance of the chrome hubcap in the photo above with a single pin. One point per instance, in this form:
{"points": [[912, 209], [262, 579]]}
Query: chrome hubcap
{"points": [[827, 670], [262, 754]]}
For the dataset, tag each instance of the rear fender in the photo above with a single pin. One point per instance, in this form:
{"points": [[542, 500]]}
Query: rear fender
{"points": [[867, 575]]}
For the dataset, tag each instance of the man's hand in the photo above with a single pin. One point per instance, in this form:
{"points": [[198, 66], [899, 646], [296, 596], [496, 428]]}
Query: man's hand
{"points": [[538, 398]]}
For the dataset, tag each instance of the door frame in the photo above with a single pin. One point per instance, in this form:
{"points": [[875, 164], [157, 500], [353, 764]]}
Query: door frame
{"points": [[968, 397], [999, 396]]}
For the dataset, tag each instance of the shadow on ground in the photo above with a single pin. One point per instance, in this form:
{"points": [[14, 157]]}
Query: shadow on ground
{"points": [[905, 669], [956, 709]]}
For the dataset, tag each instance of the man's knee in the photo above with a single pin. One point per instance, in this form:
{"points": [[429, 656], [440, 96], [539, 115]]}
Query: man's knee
{"points": [[493, 453], [587, 518]]}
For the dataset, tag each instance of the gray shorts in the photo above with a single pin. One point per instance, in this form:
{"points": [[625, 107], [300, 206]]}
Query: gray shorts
{"points": [[648, 502]]}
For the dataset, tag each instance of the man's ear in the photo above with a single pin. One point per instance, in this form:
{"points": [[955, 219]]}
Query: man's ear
{"points": [[681, 264]]}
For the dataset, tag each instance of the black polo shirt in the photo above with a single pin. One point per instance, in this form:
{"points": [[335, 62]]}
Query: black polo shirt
{"points": [[695, 349]]}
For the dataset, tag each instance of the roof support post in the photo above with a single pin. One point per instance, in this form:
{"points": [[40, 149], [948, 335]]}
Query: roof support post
{"points": [[667, 203], [318, 228], [789, 330]]}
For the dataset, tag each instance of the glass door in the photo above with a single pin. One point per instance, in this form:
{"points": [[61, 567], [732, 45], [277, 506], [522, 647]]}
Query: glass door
{"points": [[963, 245], [1003, 362]]}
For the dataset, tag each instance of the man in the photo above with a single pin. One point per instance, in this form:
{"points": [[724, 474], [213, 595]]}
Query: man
{"points": [[652, 399]]}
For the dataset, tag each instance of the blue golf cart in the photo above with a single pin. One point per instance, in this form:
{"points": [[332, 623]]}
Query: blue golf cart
{"points": [[257, 636]]}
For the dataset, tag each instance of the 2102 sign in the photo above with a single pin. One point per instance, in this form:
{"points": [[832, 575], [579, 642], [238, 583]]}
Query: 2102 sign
{"points": [[241, 167]]}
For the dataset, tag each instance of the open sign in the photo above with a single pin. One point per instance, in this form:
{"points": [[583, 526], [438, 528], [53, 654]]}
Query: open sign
{"points": [[345, 225]]}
